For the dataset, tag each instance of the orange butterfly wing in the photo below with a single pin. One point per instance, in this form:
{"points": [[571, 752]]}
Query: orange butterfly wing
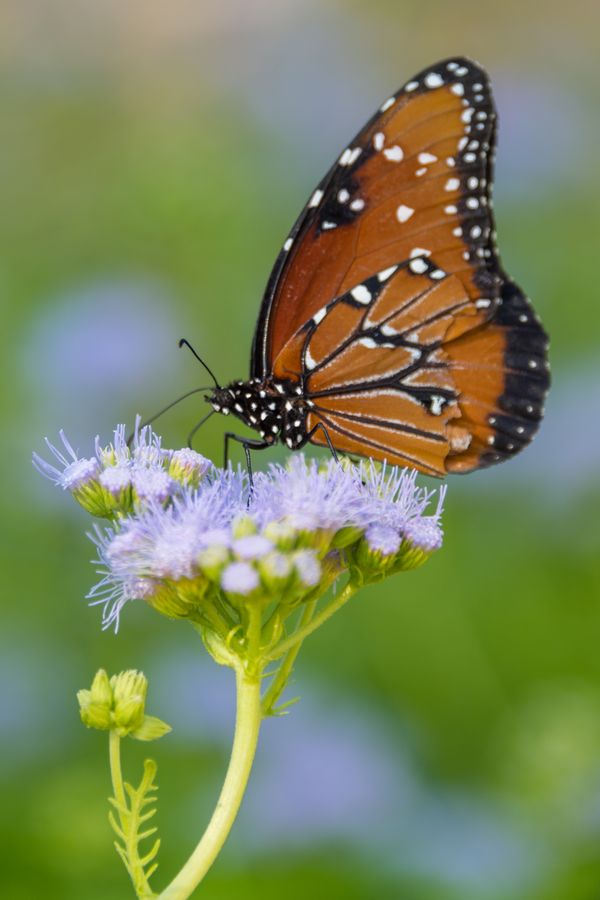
{"points": [[410, 193]]}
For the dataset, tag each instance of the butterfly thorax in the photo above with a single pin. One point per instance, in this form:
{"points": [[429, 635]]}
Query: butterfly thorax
{"points": [[277, 410]]}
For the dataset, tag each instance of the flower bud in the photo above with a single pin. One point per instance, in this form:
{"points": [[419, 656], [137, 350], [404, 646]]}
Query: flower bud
{"points": [[239, 578], [275, 571], [129, 699], [101, 691], [212, 560], [188, 467], [243, 526], [307, 567], [116, 481], [282, 534]]}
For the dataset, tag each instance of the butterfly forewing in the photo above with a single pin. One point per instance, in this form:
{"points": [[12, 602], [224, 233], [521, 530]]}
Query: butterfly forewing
{"points": [[416, 177], [387, 304]]}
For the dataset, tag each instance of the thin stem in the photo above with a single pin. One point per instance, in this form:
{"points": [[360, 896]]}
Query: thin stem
{"points": [[130, 852], [114, 752], [298, 636], [247, 726], [282, 675]]}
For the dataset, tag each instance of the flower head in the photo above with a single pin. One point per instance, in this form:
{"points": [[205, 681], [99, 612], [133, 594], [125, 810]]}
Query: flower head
{"points": [[124, 476], [186, 537]]}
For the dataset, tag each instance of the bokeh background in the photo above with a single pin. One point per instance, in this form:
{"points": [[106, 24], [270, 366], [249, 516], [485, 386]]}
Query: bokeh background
{"points": [[152, 158]]}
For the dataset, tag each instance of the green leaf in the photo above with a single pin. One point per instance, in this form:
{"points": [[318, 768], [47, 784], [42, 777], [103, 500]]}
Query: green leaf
{"points": [[151, 729]]}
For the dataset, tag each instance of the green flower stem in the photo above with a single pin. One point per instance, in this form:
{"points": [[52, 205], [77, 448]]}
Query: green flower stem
{"points": [[280, 680], [248, 719], [129, 835], [114, 752], [303, 631]]}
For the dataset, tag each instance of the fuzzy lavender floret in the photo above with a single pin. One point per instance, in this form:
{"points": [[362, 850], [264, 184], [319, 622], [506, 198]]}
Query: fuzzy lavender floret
{"points": [[75, 472], [307, 495], [239, 578], [383, 539]]}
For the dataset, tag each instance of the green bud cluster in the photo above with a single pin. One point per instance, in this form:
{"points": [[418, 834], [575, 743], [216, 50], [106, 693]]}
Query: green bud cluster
{"points": [[118, 704]]}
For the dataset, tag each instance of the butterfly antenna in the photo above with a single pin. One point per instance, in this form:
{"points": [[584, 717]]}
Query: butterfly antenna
{"points": [[166, 409], [185, 343]]}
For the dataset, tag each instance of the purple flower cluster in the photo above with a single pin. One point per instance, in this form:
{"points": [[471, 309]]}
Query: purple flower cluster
{"points": [[184, 533], [123, 476]]}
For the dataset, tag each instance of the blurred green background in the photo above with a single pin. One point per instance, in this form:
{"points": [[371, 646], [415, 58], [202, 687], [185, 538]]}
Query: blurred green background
{"points": [[152, 158]]}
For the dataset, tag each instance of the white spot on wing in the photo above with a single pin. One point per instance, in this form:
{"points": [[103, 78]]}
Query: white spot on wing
{"points": [[310, 362], [386, 273], [403, 213], [418, 266], [361, 294], [394, 154], [389, 102], [315, 199], [349, 156], [288, 244], [379, 140], [426, 158], [433, 80], [436, 403]]}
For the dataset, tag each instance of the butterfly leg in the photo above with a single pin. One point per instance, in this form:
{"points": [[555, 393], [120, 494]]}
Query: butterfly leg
{"points": [[320, 426], [248, 444]]}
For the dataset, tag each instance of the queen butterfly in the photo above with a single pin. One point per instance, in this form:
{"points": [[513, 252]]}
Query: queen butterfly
{"points": [[388, 327]]}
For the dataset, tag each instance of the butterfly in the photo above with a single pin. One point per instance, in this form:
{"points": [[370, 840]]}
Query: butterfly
{"points": [[388, 327]]}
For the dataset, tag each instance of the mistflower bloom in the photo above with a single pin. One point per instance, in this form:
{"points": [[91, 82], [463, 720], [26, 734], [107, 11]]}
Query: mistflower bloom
{"points": [[253, 546], [123, 476], [185, 535], [383, 539], [75, 471], [239, 578], [152, 484], [308, 495], [116, 479], [188, 467], [308, 567]]}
